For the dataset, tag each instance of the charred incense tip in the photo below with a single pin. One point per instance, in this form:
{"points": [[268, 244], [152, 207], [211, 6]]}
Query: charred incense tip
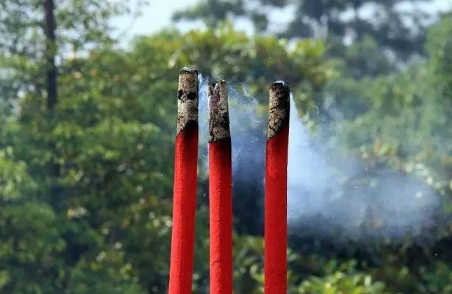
{"points": [[218, 111], [188, 70], [187, 102], [279, 108]]}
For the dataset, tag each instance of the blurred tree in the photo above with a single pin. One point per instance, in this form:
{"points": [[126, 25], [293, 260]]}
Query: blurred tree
{"points": [[409, 112], [27, 26], [99, 219], [44, 252], [387, 33], [91, 143]]}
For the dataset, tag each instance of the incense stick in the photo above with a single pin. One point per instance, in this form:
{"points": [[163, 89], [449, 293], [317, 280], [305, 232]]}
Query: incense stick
{"points": [[220, 190], [185, 178], [275, 262]]}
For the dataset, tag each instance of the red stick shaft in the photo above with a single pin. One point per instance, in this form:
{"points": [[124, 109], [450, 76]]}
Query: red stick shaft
{"points": [[220, 217], [220, 191], [185, 178], [275, 262]]}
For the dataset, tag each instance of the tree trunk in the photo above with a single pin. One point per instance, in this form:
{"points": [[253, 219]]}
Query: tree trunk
{"points": [[358, 26], [51, 71], [52, 97]]}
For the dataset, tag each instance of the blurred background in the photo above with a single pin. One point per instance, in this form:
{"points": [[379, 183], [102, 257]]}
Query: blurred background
{"points": [[88, 111]]}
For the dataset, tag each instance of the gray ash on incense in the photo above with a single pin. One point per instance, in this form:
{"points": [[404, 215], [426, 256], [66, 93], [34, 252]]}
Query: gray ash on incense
{"points": [[279, 108], [219, 128], [187, 98]]}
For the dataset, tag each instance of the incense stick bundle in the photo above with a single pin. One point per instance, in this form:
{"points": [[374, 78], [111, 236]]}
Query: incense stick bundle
{"points": [[220, 190], [275, 262], [185, 178]]}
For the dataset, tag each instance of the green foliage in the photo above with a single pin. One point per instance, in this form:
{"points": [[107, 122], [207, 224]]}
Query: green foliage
{"points": [[95, 177], [82, 24], [402, 109], [389, 24], [339, 282], [86, 189]]}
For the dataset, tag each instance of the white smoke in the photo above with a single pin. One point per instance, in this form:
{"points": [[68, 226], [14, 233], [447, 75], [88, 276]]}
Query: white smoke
{"points": [[320, 202]]}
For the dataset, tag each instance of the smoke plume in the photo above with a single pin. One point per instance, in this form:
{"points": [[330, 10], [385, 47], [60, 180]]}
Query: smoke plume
{"points": [[329, 194]]}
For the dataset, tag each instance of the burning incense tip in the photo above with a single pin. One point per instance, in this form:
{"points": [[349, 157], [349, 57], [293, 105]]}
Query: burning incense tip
{"points": [[218, 111], [279, 108], [187, 104], [187, 69]]}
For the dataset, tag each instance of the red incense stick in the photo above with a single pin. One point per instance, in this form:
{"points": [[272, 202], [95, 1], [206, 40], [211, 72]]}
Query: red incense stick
{"points": [[275, 263], [185, 177], [220, 190]]}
